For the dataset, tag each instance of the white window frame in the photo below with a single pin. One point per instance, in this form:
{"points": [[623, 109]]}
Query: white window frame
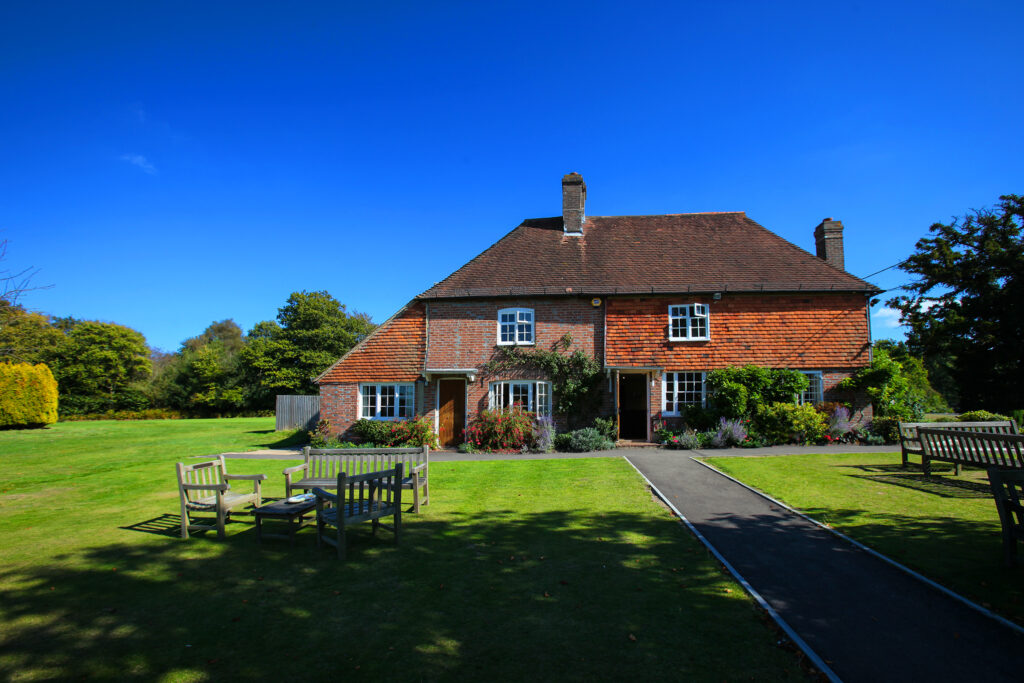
{"points": [[370, 398], [689, 317], [538, 395], [815, 385], [675, 384], [522, 317]]}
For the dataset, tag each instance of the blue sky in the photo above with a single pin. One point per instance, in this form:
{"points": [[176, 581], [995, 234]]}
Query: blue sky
{"points": [[165, 165]]}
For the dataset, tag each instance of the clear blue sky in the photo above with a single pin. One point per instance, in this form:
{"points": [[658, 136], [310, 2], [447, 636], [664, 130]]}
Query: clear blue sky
{"points": [[166, 165]]}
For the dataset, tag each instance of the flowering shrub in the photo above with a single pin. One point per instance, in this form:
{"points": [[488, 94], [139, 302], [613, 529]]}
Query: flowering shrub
{"points": [[730, 433], [501, 430], [688, 440], [790, 423], [408, 433], [544, 435]]}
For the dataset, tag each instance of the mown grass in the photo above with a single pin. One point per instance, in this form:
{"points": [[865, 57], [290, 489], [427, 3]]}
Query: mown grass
{"points": [[517, 570], [944, 526]]}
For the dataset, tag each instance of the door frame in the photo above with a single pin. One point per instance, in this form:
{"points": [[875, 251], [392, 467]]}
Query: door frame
{"points": [[437, 402]]}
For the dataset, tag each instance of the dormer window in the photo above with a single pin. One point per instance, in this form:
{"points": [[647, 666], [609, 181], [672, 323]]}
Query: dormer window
{"points": [[515, 326], [688, 322]]}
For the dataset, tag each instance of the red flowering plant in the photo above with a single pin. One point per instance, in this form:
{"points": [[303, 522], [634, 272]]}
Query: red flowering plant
{"points": [[501, 430]]}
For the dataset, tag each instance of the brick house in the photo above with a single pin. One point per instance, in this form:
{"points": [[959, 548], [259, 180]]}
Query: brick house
{"points": [[659, 300]]}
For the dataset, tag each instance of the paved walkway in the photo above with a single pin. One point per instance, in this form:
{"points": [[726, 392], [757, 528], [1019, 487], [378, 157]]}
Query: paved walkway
{"points": [[868, 620]]}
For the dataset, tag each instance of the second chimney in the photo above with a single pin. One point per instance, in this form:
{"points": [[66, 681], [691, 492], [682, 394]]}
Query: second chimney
{"points": [[828, 242], [574, 196]]}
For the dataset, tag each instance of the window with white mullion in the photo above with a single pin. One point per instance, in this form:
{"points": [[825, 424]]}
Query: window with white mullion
{"points": [[688, 322], [681, 389], [515, 326], [815, 391], [390, 401], [530, 395]]}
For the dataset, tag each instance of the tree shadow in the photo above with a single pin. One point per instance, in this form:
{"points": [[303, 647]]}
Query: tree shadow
{"points": [[945, 487], [501, 595]]}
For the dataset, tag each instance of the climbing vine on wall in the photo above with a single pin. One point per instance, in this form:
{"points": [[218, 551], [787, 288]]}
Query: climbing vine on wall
{"points": [[575, 377]]}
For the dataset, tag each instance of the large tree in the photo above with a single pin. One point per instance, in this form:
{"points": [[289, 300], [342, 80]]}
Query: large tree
{"points": [[312, 330], [98, 365], [965, 307]]}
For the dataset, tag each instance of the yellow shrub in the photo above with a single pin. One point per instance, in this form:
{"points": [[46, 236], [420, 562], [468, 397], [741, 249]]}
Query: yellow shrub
{"points": [[28, 395]]}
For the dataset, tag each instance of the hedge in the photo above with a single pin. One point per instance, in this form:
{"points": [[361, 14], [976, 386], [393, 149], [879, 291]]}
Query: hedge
{"points": [[28, 395]]}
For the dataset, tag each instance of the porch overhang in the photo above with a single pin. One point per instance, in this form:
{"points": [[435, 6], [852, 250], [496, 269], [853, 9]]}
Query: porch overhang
{"points": [[631, 368], [469, 374]]}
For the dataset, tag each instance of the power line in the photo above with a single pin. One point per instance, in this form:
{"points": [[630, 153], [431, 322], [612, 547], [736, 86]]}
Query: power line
{"points": [[895, 265]]}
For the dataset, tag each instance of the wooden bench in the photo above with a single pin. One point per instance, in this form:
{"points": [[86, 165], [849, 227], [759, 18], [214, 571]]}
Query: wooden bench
{"points": [[1008, 490], [910, 443], [206, 487], [322, 466], [962, 447], [360, 498]]}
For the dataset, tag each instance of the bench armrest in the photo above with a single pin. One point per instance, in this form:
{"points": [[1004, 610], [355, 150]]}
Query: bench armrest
{"points": [[324, 495], [298, 468], [246, 477], [418, 469]]}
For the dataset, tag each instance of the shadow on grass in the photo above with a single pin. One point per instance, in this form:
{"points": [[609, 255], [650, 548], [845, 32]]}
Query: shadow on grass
{"points": [[943, 486], [502, 595]]}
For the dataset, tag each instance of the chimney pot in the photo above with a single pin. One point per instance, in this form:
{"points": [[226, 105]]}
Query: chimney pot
{"points": [[574, 196], [828, 243]]}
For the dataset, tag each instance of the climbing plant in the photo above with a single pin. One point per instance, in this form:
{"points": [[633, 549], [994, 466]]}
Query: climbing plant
{"points": [[575, 377]]}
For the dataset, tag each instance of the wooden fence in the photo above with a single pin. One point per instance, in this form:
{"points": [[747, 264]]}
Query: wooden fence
{"points": [[297, 412]]}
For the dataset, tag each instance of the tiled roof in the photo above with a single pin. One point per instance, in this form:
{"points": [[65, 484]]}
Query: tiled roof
{"points": [[698, 252], [391, 353]]}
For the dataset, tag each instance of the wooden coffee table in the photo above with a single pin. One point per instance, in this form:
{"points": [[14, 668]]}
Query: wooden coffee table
{"points": [[292, 513]]}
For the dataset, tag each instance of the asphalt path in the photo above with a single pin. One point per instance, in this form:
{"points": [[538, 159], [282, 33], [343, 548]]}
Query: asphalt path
{"points": [[866, 619]]}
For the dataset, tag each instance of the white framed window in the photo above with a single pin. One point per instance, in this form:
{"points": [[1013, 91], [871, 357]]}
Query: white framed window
{"points": [[688, 322], [390, 401], [515, 326], [679, 389], [531, 395], [815, 392]]}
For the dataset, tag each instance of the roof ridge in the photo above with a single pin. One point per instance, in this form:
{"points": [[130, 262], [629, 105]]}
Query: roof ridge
{"points": [[659, 215]]}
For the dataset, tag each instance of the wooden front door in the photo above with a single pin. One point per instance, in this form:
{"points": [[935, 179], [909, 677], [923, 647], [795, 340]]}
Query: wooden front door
{"points": [[451, 409], [633, 407]]}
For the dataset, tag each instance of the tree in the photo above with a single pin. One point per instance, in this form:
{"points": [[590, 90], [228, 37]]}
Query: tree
{"points": [[919, 385], [96, 366], [965, 309], [26, 337], [14, 284], [886, 385], [312, 331]]}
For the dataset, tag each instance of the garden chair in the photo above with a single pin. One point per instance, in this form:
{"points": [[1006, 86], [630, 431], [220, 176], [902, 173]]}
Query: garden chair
{"points": [[360, 498], [206, 487], [1008, 489]]}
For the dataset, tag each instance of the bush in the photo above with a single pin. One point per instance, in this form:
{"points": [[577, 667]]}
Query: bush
{"points": [[739, 391], [562, 442], [374, 431], [887, 428], [608, 427], [148, 414], [501, 430], [412, 433], [588, 439], [28, 395], [730, 433], [544, 435], [688, 440], [980, 416], [782, 423]]}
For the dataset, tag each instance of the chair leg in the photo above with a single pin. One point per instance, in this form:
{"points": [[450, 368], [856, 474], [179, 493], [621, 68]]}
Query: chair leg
{"points": [[221, 519], [341, 542], [184, 524], [415, 497]]}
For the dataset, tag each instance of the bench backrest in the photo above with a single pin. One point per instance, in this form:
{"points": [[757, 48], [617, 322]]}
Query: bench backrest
{"points": [[1007, 489], [328, 463], [369, 495], [908, 430], [980, 448], [201, 474]]}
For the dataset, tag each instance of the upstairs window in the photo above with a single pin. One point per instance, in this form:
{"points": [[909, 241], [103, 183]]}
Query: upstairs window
{"points": [[815, 392], [688, 322], [681, 389], [531, 395], [515, 326], [386, 401]]}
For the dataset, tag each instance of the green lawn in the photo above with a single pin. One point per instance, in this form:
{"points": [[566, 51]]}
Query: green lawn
{"points": [[518, 570], [944, 526]]}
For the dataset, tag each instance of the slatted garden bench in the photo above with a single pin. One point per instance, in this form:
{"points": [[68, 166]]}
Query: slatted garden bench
{"points": [[910, 442], [206, 487], [322, 466], [962, 447], [359, 498], [1008, 490]]}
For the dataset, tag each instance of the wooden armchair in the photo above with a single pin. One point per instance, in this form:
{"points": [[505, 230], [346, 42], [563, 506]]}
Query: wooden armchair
{"points": [[1008, 489], [360, 498], [206, 487]]}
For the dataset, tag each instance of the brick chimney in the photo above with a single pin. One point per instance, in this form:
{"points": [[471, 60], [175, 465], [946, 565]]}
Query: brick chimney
{"points": [[574, 196], [828, 241]]}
